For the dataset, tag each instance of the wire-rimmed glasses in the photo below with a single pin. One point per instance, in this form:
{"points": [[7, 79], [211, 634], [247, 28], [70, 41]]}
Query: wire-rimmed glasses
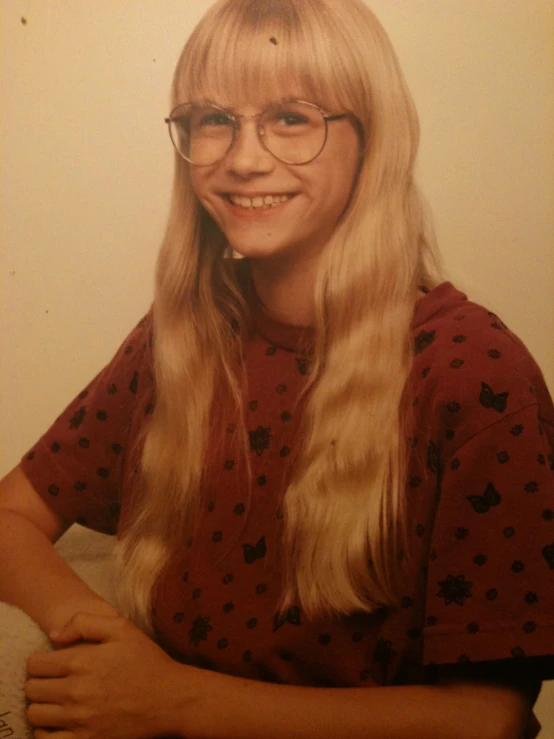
{"points": [[293, 131]]}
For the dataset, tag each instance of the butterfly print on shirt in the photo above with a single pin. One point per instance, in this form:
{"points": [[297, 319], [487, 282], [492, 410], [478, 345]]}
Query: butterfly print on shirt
{"points": [[78, 418], [548, 554], [292, 616], [252, 553], [483, 503], [489, 399]]}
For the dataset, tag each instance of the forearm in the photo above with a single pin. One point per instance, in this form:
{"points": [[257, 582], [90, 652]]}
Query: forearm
{"points": [[36, 579], [233, 708]]}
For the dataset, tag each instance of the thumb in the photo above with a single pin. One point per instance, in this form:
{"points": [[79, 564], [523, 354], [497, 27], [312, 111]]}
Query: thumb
{"points": [[89, 627]]}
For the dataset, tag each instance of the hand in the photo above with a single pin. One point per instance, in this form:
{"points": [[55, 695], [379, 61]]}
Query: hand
{"points": [[121, 687], [62, 618]]}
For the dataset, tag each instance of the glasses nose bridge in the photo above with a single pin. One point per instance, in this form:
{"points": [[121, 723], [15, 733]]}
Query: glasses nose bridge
{"points": [[238, 129], [256, 117]]}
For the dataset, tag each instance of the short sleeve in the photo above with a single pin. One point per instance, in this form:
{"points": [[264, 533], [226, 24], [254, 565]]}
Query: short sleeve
{"points": [[77, 465], [490, 577]]}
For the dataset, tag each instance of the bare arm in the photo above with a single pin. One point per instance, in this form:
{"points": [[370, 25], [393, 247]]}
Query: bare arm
{"points": [[225, 707], [33, 576]]}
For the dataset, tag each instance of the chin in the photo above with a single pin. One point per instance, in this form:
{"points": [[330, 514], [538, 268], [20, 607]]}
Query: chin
{"points": [[255, 252]]}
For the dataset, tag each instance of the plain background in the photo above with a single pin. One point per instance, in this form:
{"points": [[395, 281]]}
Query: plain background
{"points": [[87, 167]]}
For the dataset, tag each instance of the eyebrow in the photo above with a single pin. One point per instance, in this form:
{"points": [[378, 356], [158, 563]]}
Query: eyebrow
{"points": [[276, 101]]}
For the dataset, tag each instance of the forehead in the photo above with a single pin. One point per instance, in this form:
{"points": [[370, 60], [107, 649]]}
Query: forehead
{"points": [[256, 101], [249, 70], [250, 88]]}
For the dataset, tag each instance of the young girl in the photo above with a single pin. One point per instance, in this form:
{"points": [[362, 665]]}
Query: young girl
{"points": [[327, 469]]}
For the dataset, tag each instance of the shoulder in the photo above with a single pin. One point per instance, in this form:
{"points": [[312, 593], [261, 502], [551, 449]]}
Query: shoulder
{"points": [[469, 369], [136, 348], [128, 373], [144, 330]]}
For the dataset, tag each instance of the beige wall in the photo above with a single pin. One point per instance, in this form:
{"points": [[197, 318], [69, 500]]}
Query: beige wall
{"points": [[86, 173]]}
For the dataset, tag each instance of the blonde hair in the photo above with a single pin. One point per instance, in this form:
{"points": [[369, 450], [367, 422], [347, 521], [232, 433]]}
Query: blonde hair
{"points": [[345, 545]]}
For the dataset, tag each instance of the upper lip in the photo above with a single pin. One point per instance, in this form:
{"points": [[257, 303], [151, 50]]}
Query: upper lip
{"points": [[255, 194]]}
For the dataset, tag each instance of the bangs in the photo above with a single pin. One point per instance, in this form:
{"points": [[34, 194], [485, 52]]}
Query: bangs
{"points": [[248, 52]]}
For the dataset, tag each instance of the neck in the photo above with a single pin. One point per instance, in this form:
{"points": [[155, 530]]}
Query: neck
{"points": [[286, 290]]}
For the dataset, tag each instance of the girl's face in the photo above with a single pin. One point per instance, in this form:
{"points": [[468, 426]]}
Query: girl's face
{"points": [[312, 196]]}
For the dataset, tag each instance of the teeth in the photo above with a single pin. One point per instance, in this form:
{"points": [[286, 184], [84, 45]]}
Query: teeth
{"points": [[259, 201]]}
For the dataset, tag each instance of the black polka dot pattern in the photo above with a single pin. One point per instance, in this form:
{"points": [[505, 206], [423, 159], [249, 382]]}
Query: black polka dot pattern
{"points": [[89, 438], [479, 484]]}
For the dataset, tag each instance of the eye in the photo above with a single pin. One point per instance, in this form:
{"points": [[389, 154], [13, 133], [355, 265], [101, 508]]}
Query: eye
{"points": [[214, 118], [294, 118], [288, 118]]}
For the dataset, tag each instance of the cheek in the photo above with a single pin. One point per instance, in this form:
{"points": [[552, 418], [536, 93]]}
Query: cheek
{"points": [[200, 188], [345, 162], [339, 194], [350, 182], [340, 175]]}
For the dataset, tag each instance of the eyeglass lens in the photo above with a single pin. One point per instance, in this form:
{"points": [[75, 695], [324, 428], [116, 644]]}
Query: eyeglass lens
{"points": [[294, 132]]}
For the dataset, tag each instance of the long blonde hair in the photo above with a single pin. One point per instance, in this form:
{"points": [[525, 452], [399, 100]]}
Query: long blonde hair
{"points": [[345, 541]]}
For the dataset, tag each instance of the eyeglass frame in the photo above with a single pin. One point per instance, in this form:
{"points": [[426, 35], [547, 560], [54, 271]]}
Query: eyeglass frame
{"points": [[235, 119]]}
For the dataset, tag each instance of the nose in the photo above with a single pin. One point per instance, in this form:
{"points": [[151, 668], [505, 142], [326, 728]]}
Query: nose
{"points": [[248, 156]]}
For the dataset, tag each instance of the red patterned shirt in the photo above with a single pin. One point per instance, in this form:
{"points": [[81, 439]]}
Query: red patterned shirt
{"points": [[480, 491]]}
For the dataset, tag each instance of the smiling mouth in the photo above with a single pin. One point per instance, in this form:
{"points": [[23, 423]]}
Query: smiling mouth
{"points": [[258, 202]]}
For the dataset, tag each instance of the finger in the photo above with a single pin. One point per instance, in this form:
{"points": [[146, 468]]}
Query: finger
{"points": [[44, 715], [48, 664], [45, 690], [91, 627], [56, 646], [59, 663], [61, 734]]}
